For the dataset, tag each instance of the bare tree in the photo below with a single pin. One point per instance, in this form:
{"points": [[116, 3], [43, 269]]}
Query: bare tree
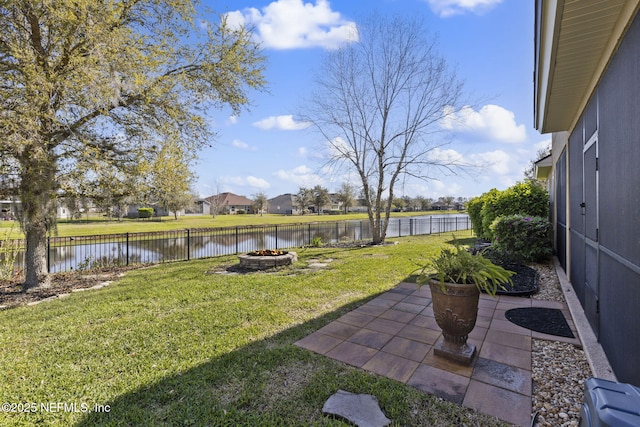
{"points": [[215, 201], [378, 103]]}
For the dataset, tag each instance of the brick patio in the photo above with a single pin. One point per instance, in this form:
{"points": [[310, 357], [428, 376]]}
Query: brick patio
{"points": [[393, 335]]}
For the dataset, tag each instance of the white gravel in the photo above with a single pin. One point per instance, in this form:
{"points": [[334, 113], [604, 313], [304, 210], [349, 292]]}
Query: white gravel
{"points": [[559, 370]]}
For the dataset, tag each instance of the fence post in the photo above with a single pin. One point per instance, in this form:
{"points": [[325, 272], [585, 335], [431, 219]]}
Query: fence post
{"points": [[237, 251], [188, 244], [276, 237], [337, 231], [48, 254], [309, 234], [127, 249], [430, 224]]}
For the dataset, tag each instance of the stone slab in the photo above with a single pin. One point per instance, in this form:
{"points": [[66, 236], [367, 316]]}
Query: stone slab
{"points": [[360, 409]]}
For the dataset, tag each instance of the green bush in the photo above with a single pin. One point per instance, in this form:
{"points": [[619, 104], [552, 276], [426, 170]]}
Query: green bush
{"points": [[523, 238], [145, 212], [524, 198], [241, 212], [474, 208]]}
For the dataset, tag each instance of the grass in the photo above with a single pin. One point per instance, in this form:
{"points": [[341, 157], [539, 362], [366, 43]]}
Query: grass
{"points": [[179, 344], [100, 225]]}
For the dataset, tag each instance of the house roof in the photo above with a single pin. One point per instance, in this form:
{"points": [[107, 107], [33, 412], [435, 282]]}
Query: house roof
{"points": [[543, 167], [229, 199], [574, 42]]}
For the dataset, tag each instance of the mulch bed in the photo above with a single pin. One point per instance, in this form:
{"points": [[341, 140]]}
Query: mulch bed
{"points": [[525, 281], [61, 283]]}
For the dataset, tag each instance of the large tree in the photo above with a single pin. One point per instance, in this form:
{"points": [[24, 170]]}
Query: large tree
{"points": [[86, 82], [378, 103]]}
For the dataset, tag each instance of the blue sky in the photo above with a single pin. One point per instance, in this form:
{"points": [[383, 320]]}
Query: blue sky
{"points": [[489, 42]]}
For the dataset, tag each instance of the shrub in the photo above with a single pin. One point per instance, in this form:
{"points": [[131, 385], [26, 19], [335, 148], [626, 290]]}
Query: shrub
{"points": [[474, 208], [241, 212], [145, 212], [524, 198], [523, 238]]}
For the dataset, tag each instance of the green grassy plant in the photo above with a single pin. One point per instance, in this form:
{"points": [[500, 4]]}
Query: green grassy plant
{"points": [[182, 344], [8, 253]]}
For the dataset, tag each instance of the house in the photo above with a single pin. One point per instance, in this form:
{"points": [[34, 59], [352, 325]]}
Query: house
{"points": [[284, 204], [199, 207], [11, 209], [587, 95], [230, 204]]}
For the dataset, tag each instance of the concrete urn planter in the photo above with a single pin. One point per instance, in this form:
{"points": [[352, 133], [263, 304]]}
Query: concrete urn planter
{"points": [[455, 307]]}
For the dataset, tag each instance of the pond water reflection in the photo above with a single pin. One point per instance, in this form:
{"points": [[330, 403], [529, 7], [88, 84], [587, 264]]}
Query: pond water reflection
{"points": [[83, 252]]}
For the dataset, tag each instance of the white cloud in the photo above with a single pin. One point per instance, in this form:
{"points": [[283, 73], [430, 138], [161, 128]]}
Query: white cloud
{"points": [[542, 145], [446, 8], [232, 120], [242, 145], [300, 176], [498, 162], [446, 157], [247, 181], [291, 24], [281, 123], [491, 121], [307, 153]]}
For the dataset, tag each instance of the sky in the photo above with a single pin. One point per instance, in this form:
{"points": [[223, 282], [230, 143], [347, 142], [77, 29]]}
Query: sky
{"points": [[266, 150]]}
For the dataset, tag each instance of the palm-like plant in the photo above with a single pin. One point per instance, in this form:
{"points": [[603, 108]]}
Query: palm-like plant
{"points": [[457, 265]]}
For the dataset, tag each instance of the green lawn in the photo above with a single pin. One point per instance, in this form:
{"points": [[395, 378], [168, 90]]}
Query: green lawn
{"points": [[100, 225], [178, 344]]}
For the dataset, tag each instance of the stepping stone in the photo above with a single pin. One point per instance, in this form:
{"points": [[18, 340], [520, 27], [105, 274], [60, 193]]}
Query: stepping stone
{"points": [[360, 409]]}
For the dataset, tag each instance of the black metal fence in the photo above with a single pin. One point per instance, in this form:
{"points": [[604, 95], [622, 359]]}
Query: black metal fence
{"points": [[85, 252]]}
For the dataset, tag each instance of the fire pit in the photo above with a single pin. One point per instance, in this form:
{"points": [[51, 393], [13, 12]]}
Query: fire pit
{"points": [[267, 258]]}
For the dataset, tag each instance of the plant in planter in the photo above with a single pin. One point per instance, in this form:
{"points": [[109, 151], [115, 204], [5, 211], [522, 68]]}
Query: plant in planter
{"points": [[456, 278]]}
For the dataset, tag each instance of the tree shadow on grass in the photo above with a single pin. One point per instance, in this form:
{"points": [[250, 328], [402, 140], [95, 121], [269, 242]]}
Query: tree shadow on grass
{"points": [[273, 382], [268, 382]]}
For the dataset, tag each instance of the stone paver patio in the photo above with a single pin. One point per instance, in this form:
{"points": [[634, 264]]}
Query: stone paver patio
{"points": [[393, 335]]}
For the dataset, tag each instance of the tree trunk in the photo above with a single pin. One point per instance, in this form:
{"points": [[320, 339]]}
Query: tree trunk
{"points": [[38, 197], [36, 273]]}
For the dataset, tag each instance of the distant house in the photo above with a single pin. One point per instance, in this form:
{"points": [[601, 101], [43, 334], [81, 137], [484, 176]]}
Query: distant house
{"points": [[284, 204], [199, 207], [230, 204], [9, 209], [587, 92]]}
